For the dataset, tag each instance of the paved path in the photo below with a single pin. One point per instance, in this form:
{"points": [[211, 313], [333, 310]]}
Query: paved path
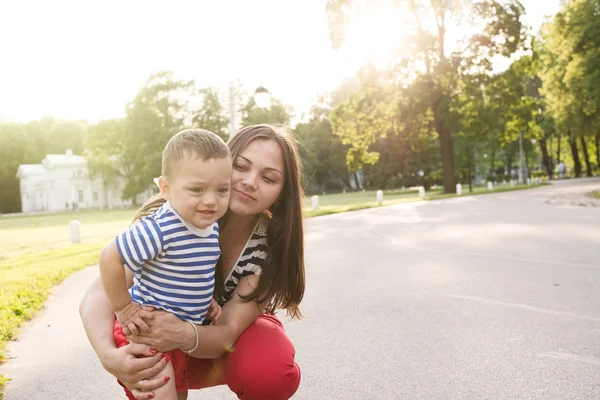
{"points": [[485, 297]]}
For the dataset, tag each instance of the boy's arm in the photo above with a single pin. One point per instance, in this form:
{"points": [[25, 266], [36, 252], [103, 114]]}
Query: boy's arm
{"points": [[113, 277], [116, 282]]}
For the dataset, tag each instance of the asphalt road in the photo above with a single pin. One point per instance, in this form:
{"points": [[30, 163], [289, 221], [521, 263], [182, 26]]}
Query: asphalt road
{"points": [[486, 297]]}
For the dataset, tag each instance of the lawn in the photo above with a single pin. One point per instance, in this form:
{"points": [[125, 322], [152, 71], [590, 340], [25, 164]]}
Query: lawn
{"points": [[36, 255]]}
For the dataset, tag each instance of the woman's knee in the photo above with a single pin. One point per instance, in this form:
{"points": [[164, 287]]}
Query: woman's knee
{"points": [[262, 365], [272, 383]]}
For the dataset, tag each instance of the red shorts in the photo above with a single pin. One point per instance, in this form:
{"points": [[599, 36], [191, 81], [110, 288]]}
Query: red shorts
{"points": [[179, 360], [260, 366]]}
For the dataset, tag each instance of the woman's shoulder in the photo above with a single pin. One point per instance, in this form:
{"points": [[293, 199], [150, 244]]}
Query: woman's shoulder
{"points": [[262, 225]]}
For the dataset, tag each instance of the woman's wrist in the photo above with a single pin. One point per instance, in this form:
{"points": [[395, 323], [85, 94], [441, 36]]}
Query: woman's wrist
{"points": [[190, 350], [190, 333]]}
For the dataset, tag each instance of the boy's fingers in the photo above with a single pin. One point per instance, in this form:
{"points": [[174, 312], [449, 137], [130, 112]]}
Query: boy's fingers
{"points": [[146, 314], [126, 330], [133, 328], [141, 324]]}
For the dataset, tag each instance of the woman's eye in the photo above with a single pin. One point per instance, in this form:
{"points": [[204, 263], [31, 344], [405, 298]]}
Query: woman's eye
{"points": [[239, 167], [266, 178]]}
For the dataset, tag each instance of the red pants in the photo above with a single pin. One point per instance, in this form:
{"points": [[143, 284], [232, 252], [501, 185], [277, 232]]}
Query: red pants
{"points": [[260, 367]]}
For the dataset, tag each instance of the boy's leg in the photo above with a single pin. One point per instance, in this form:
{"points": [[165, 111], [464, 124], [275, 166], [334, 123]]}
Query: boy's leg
{"points": [[168, 391], [182, 395]]}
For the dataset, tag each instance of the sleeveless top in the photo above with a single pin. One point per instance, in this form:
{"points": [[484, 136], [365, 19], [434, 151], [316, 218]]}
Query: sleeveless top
{"points": [[249, 260]]}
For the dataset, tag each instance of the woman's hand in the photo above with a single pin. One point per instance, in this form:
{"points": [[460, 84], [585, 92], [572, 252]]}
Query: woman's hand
{"points": [[136, 362], [167, 332]]}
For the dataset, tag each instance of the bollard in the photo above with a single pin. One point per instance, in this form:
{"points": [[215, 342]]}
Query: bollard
{"points": [[379, 197], [458, 189], [512, 183], [315, 202], [490, 186], [74, 230], [421, 192], [528, 181]]}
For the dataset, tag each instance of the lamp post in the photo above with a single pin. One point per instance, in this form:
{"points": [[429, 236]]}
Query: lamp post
{"points": [[262, 98]]}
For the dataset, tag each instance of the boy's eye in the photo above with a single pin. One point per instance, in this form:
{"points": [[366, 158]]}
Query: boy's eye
{"points": [[196, 190], [224, 190]]}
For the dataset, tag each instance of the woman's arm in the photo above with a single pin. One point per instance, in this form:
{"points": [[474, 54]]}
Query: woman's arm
{"points": [[98, 320], [169, 332]]}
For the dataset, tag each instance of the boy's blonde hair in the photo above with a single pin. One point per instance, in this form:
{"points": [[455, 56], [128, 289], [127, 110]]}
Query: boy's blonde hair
{"points": [[195, 142]]}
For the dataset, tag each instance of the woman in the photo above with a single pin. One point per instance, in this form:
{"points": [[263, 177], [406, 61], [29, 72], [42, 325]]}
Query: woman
{"points": [[261, 270]]}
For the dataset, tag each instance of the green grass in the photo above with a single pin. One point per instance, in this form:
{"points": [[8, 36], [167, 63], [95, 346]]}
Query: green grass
{"points": [[337, 203], [46, 220], [36, 255], [596, 195]]}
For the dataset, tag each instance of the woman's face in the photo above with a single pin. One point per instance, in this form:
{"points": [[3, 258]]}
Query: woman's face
{"points": [[257, 177]]}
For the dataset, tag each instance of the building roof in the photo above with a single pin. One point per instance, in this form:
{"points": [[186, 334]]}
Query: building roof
{"points": [[63, 159], [30, 170]]}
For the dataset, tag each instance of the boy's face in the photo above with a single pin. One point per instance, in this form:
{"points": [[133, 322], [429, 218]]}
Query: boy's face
{"points": [[198, 190]]}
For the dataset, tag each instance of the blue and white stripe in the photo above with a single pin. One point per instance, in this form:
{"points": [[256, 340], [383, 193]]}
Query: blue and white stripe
{"points": [[173, 264]]}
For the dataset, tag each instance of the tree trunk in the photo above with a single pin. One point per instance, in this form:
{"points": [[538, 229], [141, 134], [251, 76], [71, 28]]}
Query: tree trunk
{"points": [[586, 156], [357, 181], [558, 146], [575, 153], [546, 158], [440, 115], [597, 150]]}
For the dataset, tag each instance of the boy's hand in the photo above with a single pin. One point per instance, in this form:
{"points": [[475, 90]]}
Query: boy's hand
{"points": [[130, 320], [214, 312]]}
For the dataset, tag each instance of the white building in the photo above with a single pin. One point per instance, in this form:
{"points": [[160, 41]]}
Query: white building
{"points": [[62, 182]]}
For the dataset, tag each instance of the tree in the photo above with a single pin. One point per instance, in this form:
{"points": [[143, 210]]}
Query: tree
{"points": [[323, 154], [277, 113], [571, 71], [156, 114], [104, 148], [211, 115], [432, 64], [17, 148]]}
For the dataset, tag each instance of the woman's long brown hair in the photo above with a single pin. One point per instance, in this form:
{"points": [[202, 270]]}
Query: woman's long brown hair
{"points": [[282, 280]]}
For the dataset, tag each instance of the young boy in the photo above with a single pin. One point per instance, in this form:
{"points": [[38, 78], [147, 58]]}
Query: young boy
{"points": [[173, 252]]}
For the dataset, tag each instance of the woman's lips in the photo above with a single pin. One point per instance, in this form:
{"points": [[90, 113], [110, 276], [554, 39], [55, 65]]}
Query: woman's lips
{"points": [[245, 195]]}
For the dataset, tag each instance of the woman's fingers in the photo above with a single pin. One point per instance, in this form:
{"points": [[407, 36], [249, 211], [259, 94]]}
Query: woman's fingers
{"points": [[146, 340], [141, 350], [142, 395]]}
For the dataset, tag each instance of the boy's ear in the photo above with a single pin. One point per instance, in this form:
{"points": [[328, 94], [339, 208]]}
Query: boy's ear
{"points": [[163, 184]]}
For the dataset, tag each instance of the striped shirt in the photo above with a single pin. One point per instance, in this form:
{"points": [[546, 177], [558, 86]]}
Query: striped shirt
{"points": [[250, 260], [173, 263]]}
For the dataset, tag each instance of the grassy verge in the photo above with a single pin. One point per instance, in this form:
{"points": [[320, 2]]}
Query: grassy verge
{"points": [[28, 280], [35, 254], [396, 198]]}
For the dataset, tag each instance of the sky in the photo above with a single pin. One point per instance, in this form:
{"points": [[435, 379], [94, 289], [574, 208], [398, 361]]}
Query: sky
{"points": [[87, 59]]}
